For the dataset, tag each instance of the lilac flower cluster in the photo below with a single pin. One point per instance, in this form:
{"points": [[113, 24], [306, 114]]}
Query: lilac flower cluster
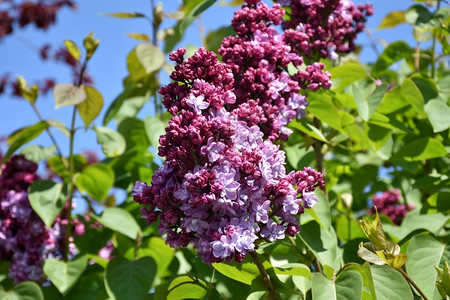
{"points": [[223, 186], [24, 240], [388, 203], [259, 56], [324, 28]]}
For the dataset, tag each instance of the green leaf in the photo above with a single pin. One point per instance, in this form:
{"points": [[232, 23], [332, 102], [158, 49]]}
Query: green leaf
{"points": [[191, 15], [417, 15], [412, 94], [119, 220], [37, 153], [150, 57], [386, 280], [133, 130], [23, 136], [309, 129], [95, 180], [392, 19], [348, 230], [139, 36], [117, 103], [73, 49], [126, 279], [294, 269], [90, 286], [112, 142], [421, 149], [415, 221], [214, 38], [438, 113], [67, 94], [157, 248], [91, 107], [154, 127], [23, 291], [348, 286], [125, 15], [323, 244], [321, 106], [367, 107], [64, 274], [46, 199], [179, 291], [244, 272], [30, 94], [394, 52], [424, 253], [345, 75]]}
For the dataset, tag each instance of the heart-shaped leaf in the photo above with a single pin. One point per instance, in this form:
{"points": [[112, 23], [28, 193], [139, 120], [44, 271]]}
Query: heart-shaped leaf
{"points": [[67, 94], [46, 199], [64, 274]]}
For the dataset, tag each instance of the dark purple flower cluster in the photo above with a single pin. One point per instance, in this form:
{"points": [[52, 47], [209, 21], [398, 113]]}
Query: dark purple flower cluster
{"points": [[41, 13], [324, 28], [259, 57], [223, 186], [24, 240], [388, 203]]}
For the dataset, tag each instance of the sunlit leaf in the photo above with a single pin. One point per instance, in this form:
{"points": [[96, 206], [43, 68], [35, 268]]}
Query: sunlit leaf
{"points": [[30, 94], [67, 94], [119, 220], [112, 142], [179, 291], [139, 36], [46, 200], [91, 107], [73, 49], [392, 19], [64, 274], [438, 113], [125, 15], [150, 56], [95, 180]]}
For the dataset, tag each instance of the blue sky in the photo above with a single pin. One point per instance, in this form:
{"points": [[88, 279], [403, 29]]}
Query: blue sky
{"points": [[19, 55]]}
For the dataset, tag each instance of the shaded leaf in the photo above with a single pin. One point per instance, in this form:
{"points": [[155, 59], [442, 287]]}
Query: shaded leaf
{"points": [[154, 127], [386, 280], [126, 279], [23, 291], [421, 149]]}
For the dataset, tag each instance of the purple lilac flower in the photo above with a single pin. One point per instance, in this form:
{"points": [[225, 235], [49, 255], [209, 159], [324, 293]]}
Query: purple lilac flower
{"points": [[223, 184], [24, 240], [324, 28], [388, 203]]}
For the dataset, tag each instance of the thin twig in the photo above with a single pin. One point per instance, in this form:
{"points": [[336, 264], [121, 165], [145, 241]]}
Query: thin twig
{"points": [[265, 276], [413, 284]]}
